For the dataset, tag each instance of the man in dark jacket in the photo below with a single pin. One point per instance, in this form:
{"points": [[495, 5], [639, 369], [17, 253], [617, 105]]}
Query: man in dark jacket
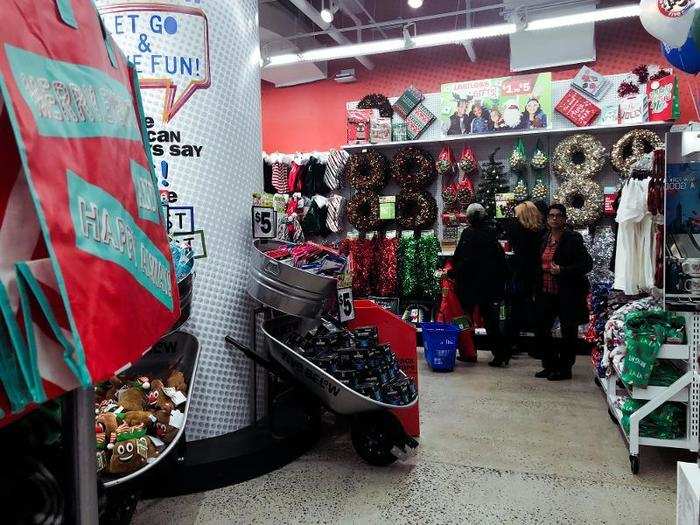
{"points": [[460, 120], [562, 292], [480, 273]]}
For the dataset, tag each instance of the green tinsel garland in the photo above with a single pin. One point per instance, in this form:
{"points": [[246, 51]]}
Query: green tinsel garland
{"points": [[427, 263], [408, 283]]}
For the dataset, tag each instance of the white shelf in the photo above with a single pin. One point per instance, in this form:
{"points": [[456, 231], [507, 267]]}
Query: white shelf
{"points": [[485, 136], [669, 351], [650, 392], [649, 441]]}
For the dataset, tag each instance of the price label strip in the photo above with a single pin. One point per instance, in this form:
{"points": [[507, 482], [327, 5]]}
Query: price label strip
{"points": [[264, 222], [346, 305]]}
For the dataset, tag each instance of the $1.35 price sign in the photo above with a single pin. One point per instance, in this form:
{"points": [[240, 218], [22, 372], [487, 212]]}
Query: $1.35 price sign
{"points": [[264, 223], [346, 306]]}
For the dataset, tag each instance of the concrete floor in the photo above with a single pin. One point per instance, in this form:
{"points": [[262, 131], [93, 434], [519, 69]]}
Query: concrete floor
{"points": [[497, 446]]}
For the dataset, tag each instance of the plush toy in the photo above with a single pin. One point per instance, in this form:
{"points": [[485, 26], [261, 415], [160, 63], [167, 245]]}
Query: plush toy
{"points": [[157, 398], [129, 455], [142, 382], [106, 423], [131, 399], [114, 384], [177, 381], [164, 430], [139, 417]]}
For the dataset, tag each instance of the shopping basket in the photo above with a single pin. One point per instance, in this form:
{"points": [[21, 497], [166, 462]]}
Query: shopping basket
{"points": [[440, 345]]}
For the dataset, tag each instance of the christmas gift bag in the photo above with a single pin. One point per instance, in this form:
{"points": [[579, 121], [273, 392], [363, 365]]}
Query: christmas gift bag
{"points": [[468, 163], [84, 256], [407, 102], [664, 104], [418, 121]]}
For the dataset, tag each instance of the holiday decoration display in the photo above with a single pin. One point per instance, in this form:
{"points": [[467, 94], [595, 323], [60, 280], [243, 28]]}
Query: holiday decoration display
{"points": [[363, 211], [449, 198], [418, 121], [468, 163], [335, 166], [408, 281], [492, 182], [664, 100], [540, 192], [367, 170], [579, 155], [505, 205], [577, 109], [465, 193], [667, 20], [583, 199], [386, 263], [415, 210], [520, 191], [427, 264], [379, 102], [446, 161], [539, 159], [407, 102], [358, 124], [360, 253], [630, 148], [412, 168], [399, 133], [518, 159], [591, 83], [380, 131]]}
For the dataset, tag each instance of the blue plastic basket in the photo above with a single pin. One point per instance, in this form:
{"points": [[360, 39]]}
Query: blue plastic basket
{"points": [[440, 345]]}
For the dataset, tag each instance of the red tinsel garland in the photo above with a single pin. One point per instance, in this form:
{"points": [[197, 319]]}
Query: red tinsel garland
{"points": [[386, 266]]}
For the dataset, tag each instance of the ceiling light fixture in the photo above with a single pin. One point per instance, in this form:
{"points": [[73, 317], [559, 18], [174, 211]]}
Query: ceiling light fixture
{"points": [[415, 4], [597, 15], [449, 37], [328, 13]]}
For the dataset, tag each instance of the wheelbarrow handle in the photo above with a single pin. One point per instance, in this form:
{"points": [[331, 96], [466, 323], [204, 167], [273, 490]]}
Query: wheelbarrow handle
{"points": [[250, 354]]}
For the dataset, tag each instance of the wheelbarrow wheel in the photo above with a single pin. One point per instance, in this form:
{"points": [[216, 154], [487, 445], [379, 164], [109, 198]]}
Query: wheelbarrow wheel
{"points": [[374, 435]]}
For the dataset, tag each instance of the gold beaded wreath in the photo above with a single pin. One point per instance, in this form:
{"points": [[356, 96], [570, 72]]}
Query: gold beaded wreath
{"points": [[583, 199], [630, 148], [579, 155]]}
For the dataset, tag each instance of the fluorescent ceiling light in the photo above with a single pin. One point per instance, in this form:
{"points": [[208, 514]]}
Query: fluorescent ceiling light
{"points": [[459, 36], [415, 4], [334, 52], [597, 15]]}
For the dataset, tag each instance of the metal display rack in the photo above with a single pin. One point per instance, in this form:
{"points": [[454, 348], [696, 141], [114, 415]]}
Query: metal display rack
{"points": [[686, 390]]}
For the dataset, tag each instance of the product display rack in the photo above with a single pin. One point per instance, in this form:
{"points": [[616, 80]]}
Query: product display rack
{"points": [[686, 389]]}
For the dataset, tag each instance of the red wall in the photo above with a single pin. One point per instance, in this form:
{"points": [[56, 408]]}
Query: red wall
{"points": [[312, 116]]}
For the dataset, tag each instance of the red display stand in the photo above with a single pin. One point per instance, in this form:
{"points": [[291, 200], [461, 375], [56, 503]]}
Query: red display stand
{"points": [[402, 338]]}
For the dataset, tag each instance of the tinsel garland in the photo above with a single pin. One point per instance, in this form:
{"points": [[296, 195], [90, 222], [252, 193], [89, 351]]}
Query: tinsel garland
{"points": [[426, 265], [632, 146], [386, 265], [413, 168], [465, 193], [449, 198], [415, 210], [408, 250], [367, 171], [377, 101], [363, 211], [588, 148], [361, 254], [583, 199]]}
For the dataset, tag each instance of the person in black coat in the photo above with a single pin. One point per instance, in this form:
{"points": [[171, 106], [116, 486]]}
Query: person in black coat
{"points": [[480, 273], [524, 234], [461, 119], [562, 292]]}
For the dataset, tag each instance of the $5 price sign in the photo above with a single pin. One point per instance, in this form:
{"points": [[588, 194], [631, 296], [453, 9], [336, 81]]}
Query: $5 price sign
{"points": [[264, 223], [346, 307]]}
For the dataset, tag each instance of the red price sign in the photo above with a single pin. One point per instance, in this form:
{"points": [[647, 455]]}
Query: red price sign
{"points": [[522, 85]]}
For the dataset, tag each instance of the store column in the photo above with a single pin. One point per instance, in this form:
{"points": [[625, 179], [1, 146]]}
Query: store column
{"points": [[198, 65]]}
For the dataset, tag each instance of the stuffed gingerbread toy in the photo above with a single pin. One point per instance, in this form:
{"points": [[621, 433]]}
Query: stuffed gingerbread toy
{"points": [[177, 381], [131, 450], [131, 399], [164, 430], [106, 423], [139, 417], [157, 398]]}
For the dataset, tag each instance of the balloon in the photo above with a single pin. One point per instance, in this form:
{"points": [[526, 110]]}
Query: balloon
{"points": [[686, 58], [668, 20]]}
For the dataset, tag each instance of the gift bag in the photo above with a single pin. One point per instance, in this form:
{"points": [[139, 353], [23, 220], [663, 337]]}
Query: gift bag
{"points": [[84, 255]]}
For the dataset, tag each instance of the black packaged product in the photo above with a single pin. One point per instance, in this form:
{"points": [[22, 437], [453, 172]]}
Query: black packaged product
{"points": [[326, 361], [370, 389], [366, 337], [345, 357], [349, 377], [387, 356]]}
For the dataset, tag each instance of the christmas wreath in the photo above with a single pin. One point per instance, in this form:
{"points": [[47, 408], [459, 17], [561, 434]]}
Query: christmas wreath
{"points": [[363, 211], [377, 101], [413, 168], [630, 148], [415, 210], [579, 155], [583, 199], [366, 171]]}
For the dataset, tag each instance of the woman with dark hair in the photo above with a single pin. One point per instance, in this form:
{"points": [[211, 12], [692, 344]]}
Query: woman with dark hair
{"points": [[480, 272], [524, 234], [533, 116], [562, 293], [480, 119]]}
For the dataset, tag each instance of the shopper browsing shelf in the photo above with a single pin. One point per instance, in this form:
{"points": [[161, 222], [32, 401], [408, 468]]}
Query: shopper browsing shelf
{"points": [[480, 273], [561, 293], [524, 234]]}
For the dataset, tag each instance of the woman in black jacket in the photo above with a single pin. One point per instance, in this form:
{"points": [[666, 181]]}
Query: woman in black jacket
{"points": [[524, 233], [562, 292], [480, 274]]}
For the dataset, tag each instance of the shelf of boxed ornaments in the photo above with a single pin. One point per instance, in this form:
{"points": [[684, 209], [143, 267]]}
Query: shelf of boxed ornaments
{"points": [[503, 134]]}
